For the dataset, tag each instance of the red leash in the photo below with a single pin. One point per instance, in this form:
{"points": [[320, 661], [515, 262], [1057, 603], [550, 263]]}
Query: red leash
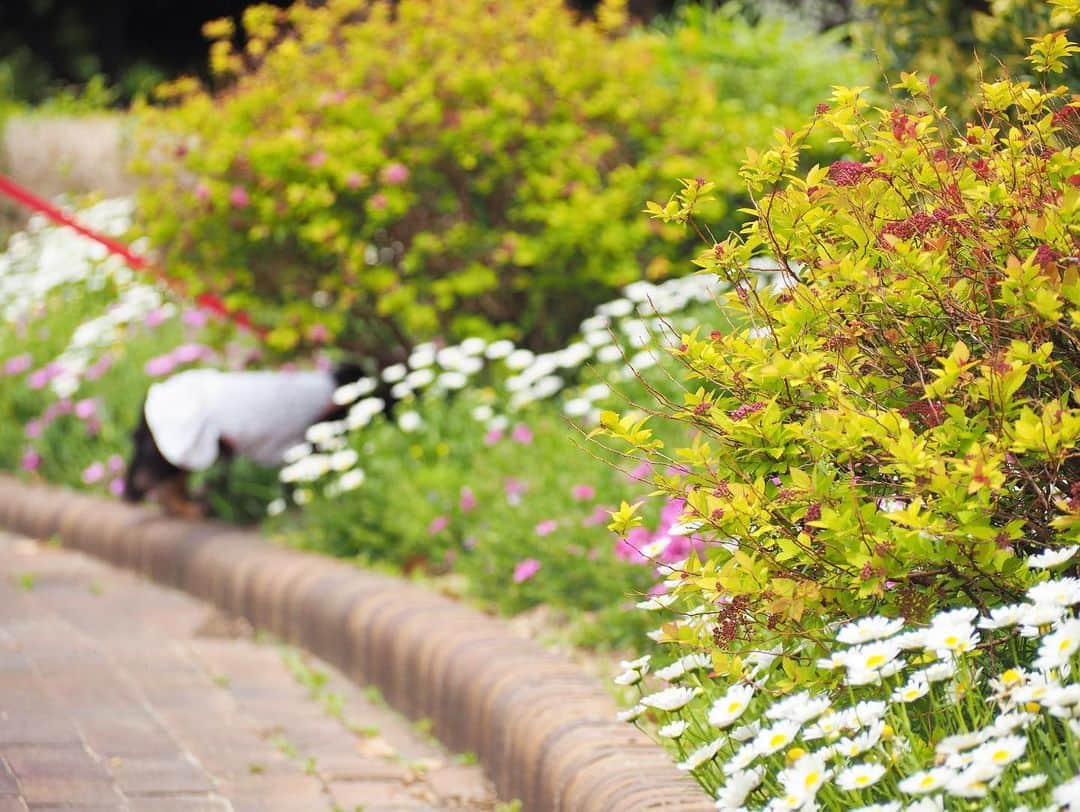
{"points": [[207, 301]]}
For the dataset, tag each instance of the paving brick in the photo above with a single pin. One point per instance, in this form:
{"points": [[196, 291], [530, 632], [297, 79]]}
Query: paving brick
{"points": [[10, 803], [155, 776], [7, 782], [60, 775], [179, 804]]}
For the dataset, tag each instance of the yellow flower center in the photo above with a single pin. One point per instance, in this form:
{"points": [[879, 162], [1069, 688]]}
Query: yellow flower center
{"points": [[1011, 676], [1064, 645], [1032, 707], [862, 780], [777, 740], [874, 660], [734, 706], [811, 779], [927, 782], [952, 640], [795, 753], [1000, 755]]}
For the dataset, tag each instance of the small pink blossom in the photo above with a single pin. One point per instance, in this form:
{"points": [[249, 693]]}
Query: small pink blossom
{"points": [[94, 472], [159, 366], [642, 471], [493, 436], [522, 434], [99, 368], [469, 542], [526, 569], [18, 364], [515, 489], [31, 460], [202, 191], [115, 464], [318, 334], [190, 353], [438, 524], [547, 527], [468, 499], [583, 493], [34, 428], [194, 318], [317, 159], [354, 180], [238, 197], [116, 487], [601, 515], [395, 174], [658, 589], [38, 378], [85, 409], [378, 201], [93, 427], [156, 317]]}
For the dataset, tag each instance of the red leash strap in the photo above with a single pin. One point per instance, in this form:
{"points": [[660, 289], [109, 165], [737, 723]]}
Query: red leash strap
{"points": [[207, 301]]}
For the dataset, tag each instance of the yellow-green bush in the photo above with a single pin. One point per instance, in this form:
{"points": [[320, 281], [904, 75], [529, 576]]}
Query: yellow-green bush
{"points": [[894, 428], [382, 173]]}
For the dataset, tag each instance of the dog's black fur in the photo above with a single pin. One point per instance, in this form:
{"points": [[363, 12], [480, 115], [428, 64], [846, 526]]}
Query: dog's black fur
{"points": [[149, 471]]}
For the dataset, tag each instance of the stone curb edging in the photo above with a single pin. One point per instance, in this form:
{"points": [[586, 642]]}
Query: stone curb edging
{"points": [[545, 732]]}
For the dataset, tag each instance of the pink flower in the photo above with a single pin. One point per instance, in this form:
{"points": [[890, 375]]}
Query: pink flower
{"points": [[202, 191], [354, 180], [316, 159], [514, 489], [34, 428], [156, 317], [31, 460], [238, 197], [468, 499], [395, 174], [493, 436], [18, 364], [93, 426], [438, 524], [162, 365], [601, 515], [115, 464], [194, 318], [99, 368], [318, 333], [642, 471], [94, 472], [658, 589], [522, 434], [85, 409], [583, 493], [547, 527], [189, 353], [525, 570], [378, 201], [116, 487], [469, 542]]}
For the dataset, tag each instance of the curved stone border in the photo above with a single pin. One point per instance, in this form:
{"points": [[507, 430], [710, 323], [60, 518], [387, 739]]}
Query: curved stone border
{"points": [[545, 731]]}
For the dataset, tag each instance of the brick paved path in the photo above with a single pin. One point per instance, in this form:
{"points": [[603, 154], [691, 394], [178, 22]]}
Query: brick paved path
{"points": [[116, 694]]}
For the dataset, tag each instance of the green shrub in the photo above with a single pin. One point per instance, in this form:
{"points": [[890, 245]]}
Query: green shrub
{"points": [[895, 427], [445, 168]]}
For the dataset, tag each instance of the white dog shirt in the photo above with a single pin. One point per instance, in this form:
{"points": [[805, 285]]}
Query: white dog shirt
{"points": [[259, 414]]}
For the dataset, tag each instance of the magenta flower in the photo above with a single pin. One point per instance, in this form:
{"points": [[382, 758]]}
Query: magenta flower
{"points": [[468, 499], [378, 201], [34, 428], [318, 334], [85, 409], [94, 472], [395, 174], [642, 471], [38, 378], [99, 368], [526, 569], [18, 364], [93, 427], [316, 159], [194, 318], [115, 464], [438, 524], [583, 493], [601, 515], [116, 487], [31, 460], [522, 434], [515, 489], [162, 365], [493, 436], [354, 180], [156, 317], [202, 191], [238, 197], [547, 527]]}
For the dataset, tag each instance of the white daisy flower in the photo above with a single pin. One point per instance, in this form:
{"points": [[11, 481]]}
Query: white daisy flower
{"points": [[1048, 559], [344, 460], [926, 781], [499, 349], [519, 359], [970, 783], [742, 759], [800, 707], [394, 373], [1006, 723], [351, 480], [857, 745], [670, 699], [951, 636], [935, 803], [703, 754], [859, 776], [684, 665], [864, 713], [730, 706], [640, 664], [410, 421], [946, 669], [673, 730], [630, 714], [867, 629], [473, 346], [1060, 592], [657, 602], [776, 737], [1057, 648], [744, 733], [276, 507], [871, 657], [915, 688], [891, 806], [804, 778], [738, 787], [1068, 793], [296, 453], [1031, 782], [418, 378], [1002, 617], [910, 640], [1000, 752], [630, 677]]}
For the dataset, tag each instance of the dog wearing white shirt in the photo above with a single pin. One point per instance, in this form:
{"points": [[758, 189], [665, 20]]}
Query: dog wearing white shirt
{"points": [[197, 417]]}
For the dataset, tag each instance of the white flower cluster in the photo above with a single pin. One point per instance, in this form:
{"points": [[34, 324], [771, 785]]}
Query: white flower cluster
{"points": [[916, 724]]}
